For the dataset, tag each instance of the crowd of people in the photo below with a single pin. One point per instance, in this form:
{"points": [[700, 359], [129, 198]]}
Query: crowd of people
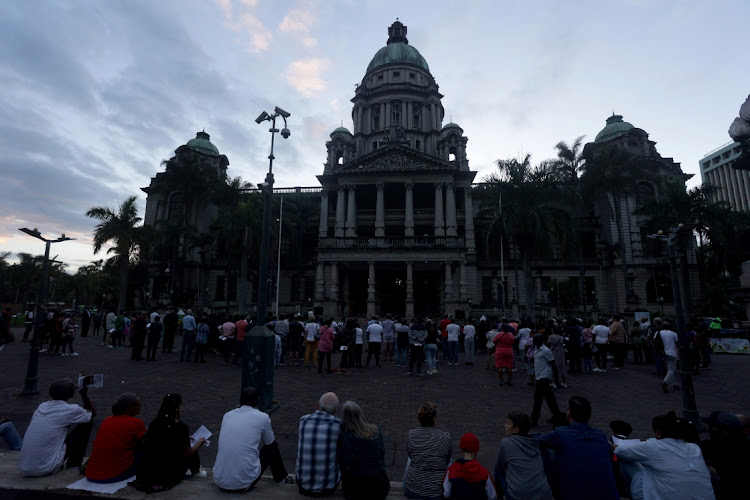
{"points": [[573, 461]]}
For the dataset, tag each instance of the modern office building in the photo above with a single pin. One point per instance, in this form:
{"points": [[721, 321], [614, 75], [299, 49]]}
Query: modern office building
{"points": [[716, 168]]}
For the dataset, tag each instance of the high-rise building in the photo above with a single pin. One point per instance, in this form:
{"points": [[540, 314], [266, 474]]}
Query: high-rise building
{"points": [[716, 168]]}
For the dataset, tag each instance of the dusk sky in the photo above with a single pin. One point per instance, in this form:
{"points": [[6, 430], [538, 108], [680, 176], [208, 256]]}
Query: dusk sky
{"points": [[97, 93]]}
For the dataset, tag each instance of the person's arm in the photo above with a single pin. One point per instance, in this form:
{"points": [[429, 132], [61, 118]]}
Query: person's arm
{"points": [[500, 468], [489, 488], [192, 450], [87, 404], [447, 484], [636, 452]]}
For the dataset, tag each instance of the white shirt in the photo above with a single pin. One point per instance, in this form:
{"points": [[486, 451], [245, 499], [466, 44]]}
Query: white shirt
{"points": [[153, 317], [359, 336], [453, 330], [311, 329], [375, 332], [672, 468], [523, 335], [542, 358], [334, 327], [469, 332], [238, 462], [670, 342], [43, 447], [601, 334]]}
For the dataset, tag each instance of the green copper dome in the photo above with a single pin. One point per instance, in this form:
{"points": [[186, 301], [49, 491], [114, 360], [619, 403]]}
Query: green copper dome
{"points": [[341, 129], [202, 144], [397, 50], [615, 128], [452, 125]]}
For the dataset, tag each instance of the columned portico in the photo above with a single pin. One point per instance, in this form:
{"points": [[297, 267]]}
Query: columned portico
{"points": [[469, 221], [409, 210], [340, 212], [439, 221], [323, 227], [320, 283], [450, 210], [409, 290], [334, 282], [351, 213], [448, 283], [379, 211], [371, 290]]}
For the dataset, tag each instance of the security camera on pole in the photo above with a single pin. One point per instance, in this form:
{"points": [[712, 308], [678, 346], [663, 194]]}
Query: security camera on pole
{"points": [[258, 356]]}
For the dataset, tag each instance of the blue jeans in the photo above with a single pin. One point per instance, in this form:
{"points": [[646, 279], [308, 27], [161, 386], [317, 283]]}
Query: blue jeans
{"points": [[453, 351], [188, 340], [430, 352], [671, 369], [469, 348], [401, 355], [9, 433]]}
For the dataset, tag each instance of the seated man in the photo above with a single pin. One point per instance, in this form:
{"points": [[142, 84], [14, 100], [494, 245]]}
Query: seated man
{"points": [[9, 434], [584, 470], [240, 461], [318, 472], [53, 439]]}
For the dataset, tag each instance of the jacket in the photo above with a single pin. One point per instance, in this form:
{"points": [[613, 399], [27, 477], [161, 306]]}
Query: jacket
{"points": [[520, 461]]}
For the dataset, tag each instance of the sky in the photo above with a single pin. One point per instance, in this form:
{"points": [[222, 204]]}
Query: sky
{"points": [[97, 93]]}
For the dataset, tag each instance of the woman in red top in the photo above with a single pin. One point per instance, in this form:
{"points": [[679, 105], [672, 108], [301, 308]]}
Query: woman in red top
{"points": [[115, 451], [504, 354], [325, 345]]}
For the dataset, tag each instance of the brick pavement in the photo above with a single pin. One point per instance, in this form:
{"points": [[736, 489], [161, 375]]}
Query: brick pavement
{"points": [[468, 398]]}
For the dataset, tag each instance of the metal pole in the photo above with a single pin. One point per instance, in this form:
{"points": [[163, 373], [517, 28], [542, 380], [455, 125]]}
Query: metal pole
{"points": [[31, 386], [502, 252], [689, 407], [278, 258], [266, 238]]}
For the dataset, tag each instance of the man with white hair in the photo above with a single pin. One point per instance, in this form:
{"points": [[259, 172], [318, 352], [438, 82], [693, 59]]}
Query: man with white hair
{"points": [[318, 473], [188, 335]]}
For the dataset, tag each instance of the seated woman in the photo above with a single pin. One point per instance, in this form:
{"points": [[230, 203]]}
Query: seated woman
{"points": [[167, 454], [361, 456], [429, 451], [666, 466], [116, 449]]}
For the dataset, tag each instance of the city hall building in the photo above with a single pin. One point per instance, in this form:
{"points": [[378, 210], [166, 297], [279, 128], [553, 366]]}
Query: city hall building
{"points": [[397, 229]]}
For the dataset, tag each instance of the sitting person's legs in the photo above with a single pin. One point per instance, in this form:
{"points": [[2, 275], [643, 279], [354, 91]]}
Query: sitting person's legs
{"points": [[76, 443], [270, 455], [10, 435]]}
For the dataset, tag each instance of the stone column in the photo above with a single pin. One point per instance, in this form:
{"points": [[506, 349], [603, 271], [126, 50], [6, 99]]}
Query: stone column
{"points": [[335, 282], [323, 229], [462, 282], [409, 291], [448, 283], [439, 222], [409, 220], [379, 211], [351, 214], [371, 291], [340, 212], [320, 282], [450, 210], [469, 221]]}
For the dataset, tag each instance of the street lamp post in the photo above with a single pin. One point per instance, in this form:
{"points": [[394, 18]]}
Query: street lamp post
{"points": [[31, 387], [259, 342]]}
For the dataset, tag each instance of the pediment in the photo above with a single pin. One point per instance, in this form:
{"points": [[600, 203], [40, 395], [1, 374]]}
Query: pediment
{"points": [[396, 158]]}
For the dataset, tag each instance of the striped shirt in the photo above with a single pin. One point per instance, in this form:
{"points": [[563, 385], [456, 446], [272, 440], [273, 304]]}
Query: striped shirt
{"points": [[429, 450], [317, 469]]}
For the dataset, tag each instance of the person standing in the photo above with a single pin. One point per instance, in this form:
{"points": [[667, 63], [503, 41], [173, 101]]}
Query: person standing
{"points": [[154, 336], [359, 339], [318, 472], [85, 321], [282, 330], [666, 342], [444, 334], [348, 336], [138, 337], [402, 343], [389, 333], [574, 333], [375, 337], [431, 347], [470, 333], [201, 340], [504, 341], [29, 325], [97, 322], [188, 336], [170, 330], [417, 336], [296, 333], [556, 344], [109, 325], [636, 343], [544, 372], [618, 343], [453, 330], [69, 335], [325, 346], [601, 345], [311, 341], [119, 334], [228, 331], [240, 328]]}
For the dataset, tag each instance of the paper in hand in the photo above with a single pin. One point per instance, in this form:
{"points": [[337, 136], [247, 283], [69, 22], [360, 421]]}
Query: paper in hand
{"points": [[620, 442], [202, 432], [97, 380]]}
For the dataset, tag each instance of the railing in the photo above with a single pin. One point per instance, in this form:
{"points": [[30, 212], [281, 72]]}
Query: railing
{"points": [[719, 148], [288, 190], [394, 242]]}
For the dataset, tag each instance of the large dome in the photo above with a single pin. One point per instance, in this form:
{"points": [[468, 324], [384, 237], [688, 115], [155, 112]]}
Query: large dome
{"points": [[615, 128], [397, 50], [202, 144]]}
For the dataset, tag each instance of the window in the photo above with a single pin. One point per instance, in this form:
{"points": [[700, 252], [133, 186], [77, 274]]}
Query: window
{"points": [[309, 288], [417, 119], [374, 145], [375, 117], [232, 289], [486, 289], [380, 76], [663, 286], [396, 74], [452, 153], [176, 207], [220, 293], [644, 192], [340, 160], [412, 75], [418, 145], [396, 113]]}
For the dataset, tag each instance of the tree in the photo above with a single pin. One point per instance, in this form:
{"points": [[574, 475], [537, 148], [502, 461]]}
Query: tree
{"points": [[121, 229], [532, 214]]}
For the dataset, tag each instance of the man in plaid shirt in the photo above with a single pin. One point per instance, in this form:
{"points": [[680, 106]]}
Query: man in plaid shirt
{"points": [[318, 473]]}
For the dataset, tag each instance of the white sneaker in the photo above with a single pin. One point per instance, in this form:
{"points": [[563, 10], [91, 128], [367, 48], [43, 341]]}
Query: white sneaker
{"points": [[564, 385], [64, 354], [74, 354], [597, 370], [553, 386], [201, 473]]}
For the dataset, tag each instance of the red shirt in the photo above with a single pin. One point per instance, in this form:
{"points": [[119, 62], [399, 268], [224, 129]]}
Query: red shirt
{"points": [[241, 327], [114, 447], [443, 325]]}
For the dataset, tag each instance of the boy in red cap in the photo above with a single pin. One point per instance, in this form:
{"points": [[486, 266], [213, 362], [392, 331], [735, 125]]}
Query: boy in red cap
{"points": [[466, 478]]}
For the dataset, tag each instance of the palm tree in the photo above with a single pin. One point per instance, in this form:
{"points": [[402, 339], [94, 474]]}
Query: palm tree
{"points": [[127, 237], [532, 214]]}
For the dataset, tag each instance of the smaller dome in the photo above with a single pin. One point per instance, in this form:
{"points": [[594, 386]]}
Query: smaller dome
{"points": [[615, 128], [339, 130], [452, 125], [202, 144]]}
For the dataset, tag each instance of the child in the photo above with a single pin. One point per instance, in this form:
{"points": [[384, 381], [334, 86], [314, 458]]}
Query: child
{"points": [[466, 478], [520, 466], [635, 343], [588, 351], [358, 342]]}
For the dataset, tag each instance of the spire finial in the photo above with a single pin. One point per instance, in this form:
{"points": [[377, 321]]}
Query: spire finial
{"points": [[342, 123], [397, 33]]}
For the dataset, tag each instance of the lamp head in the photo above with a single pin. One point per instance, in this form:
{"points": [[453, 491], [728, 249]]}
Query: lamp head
{"points": [[285, 133], [283, 113], [262, 117]]}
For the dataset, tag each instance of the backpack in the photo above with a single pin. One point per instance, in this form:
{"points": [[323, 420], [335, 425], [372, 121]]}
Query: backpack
{"points": [[658, 344]]}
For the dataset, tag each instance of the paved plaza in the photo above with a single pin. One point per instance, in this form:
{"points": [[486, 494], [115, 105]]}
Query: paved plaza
{"points": [[469, 398]]}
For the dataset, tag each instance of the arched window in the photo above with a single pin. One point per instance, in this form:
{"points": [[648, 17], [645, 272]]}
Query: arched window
{"points": [[452, 153], [661, 285], [644, 191], [176, 210], [376, 117], [341, 159], [396, 113]]}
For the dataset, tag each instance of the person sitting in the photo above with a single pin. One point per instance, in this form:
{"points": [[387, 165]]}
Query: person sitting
{"points": [[116, 449], [727, 452], [519, 467], [582, 454], [167, 454], [241, 461], [429, 450], [9, 433], [361, 456], [466, 478], [318, 472], [59, 432], [666, 466]]}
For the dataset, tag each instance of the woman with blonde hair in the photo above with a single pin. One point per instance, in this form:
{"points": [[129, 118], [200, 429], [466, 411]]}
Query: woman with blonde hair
{"points": [[361, 456]]}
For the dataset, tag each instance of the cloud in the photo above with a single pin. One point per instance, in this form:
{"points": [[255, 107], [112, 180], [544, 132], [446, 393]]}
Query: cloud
{"points": [[298, 21], [247, 23], [306, 75]]}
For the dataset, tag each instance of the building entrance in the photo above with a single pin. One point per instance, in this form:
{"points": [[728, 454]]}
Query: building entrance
{"points": [[390, 285], [427, 293]]}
